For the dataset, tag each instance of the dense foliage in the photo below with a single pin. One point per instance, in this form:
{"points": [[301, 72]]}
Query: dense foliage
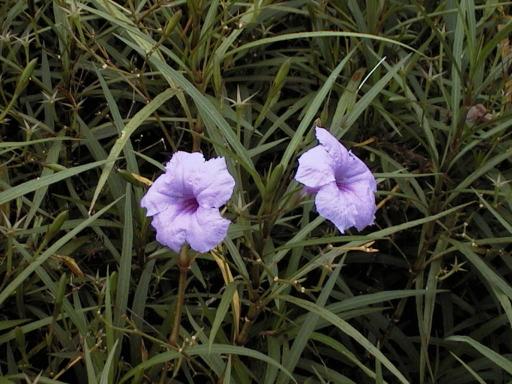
{"points": [[95, 97]]}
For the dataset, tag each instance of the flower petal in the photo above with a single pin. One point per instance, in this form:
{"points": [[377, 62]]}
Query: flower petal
{"points": [[171, 226], [354, 170], [185, 161], [183, 169], [363, 195], [351, 206], [213, 185], [333, 147], [316, 168], [156, 200], [330, 204], [207, 229]]}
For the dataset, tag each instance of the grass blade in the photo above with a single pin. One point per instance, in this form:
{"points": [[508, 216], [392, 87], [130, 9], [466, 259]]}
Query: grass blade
{"points": [[217, 349], [32, 185], [349, 330], [492, 278], [312, 111], [127, 131], [222, 309], [495, 357], [13, 285], [309, 324]]}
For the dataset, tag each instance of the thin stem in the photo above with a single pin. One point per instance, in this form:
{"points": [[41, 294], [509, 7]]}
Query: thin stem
{"points": [[197, 134], [173, 339], [252, 314], [243, 336], [184, 265]]}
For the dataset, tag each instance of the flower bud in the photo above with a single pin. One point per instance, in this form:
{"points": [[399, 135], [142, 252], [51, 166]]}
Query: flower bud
{"points": [[56, 225], [171, 24]]}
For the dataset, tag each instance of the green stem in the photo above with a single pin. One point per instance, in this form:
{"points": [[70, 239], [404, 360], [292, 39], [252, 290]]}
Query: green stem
{"points": [[252, 314], [173, 340], [184, 265]]}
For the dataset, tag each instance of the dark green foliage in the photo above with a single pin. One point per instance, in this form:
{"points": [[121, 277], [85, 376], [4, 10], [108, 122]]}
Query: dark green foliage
{"points": [[96, 95]]}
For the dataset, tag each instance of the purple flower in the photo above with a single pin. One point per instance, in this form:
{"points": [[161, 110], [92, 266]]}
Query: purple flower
{"points": [[343, 184], [185, 202]]}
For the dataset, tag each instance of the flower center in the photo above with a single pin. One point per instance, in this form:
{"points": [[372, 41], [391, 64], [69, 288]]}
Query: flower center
{"points": [[190, 205], [339, 178], [341, 181], [341, 185]]}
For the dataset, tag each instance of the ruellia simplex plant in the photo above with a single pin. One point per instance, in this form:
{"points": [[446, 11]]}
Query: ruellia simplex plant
{"points": [[238, 192], [184, 204]]}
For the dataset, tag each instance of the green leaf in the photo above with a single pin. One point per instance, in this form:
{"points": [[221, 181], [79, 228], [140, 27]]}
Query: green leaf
{"points": [[308, 326], [14, 284], [469, 369], [369, 96], [216, 349], [348, 330], [89, 366], [478, 172], [227, 297], [125, 263], [104, 379], [127, 131], [32, 185], [493, 356], [492, 278], [344, 351], [20, 144], [216, 125], [316, 34], [361, 301], [312, 110]]}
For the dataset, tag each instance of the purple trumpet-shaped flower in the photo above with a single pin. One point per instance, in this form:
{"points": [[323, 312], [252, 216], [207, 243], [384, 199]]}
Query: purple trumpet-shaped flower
{"points": [[185, 202], [343, 184]]}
